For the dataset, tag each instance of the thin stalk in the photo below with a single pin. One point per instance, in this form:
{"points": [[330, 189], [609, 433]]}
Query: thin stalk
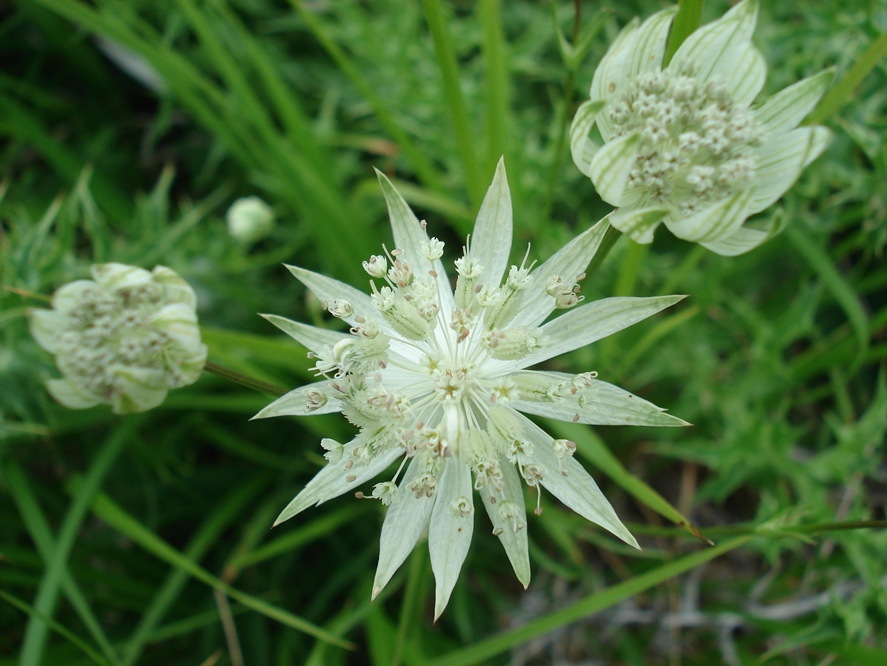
{"points": [[764, 530], [242, 379], [607, 242]]}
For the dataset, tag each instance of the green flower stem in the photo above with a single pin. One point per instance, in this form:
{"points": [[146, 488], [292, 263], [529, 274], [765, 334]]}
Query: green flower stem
{"points": [[687, 20], [610, 237], [244, 380], [53, 578], [777, 531], [842, 92]]}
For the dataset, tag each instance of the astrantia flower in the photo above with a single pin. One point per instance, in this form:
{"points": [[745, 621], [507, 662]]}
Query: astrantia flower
{"points": [[436, 379], [682, 146], [123, 338]]}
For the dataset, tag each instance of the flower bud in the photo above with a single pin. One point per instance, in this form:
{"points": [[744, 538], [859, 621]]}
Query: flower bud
{"points": [[249, 220]]}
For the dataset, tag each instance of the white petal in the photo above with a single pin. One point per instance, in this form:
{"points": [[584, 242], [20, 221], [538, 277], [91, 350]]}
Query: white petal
{"points": [[332, 481], [71, 295], [515, 543], [295, 403], [714, 48], [186, 364], [739, 243], [609, 405], [779, 163], [71, 395], [787, 108], [140, 389], [746, 74], [175, 289], [327, 288], [491, 239], [406, 520], [179, 322], [649, 43], [571, 260], [449, 534], [115, 276], [611, 166], [409, 235], [611, 75], [47, 327], [581, 147], [638, 223], [311, 337], [746, 239], [576, 488], [587, 323], [715, 221]]}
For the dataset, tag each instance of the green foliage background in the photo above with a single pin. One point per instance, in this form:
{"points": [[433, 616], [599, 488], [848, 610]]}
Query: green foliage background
{"points": [[145, 539]]}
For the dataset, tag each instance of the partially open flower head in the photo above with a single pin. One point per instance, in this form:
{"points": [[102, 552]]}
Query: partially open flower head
{"points": [[682, 145], [123, 338], [436, 378]]}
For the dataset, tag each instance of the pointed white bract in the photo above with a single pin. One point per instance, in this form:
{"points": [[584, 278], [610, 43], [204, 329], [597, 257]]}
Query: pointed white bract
{"points": [[436, 378], [681, 145], [123, 338]]}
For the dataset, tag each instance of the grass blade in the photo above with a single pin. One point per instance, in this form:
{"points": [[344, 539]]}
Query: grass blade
{"points": [[50, 585], [842, 92], [38, 527], [116, 517], [55, 626], [171, 588], [449, 69]]}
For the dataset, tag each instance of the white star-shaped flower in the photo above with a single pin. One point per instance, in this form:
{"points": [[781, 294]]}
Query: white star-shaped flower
{"points": [[436, 378], [682, 145]]}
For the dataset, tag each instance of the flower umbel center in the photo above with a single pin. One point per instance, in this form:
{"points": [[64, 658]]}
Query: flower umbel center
{"points": [[696, 144]]}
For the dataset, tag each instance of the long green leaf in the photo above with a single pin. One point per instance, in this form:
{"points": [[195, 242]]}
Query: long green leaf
{"points": [[842, 92], [116, 517], [55, 626], [449, 69], [50, 585], [38, 527], [172, 587], [496, 76]]}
